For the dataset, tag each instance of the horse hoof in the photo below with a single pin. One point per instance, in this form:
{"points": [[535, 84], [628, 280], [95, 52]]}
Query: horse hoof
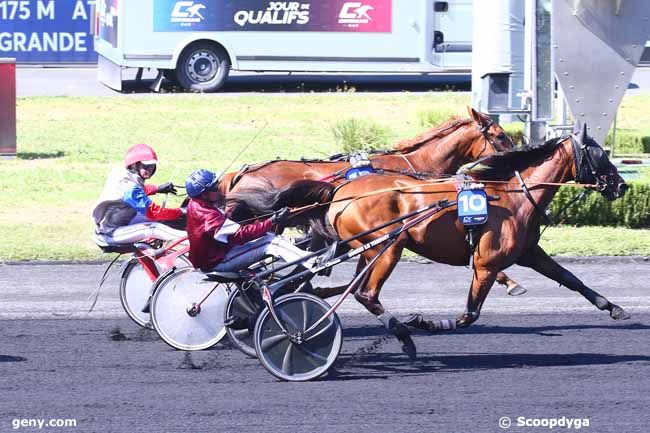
{"points": [[466, 319], [617, 313], [409, 348], [414, 320], [516, 290], [404, 336], [418, 322]]}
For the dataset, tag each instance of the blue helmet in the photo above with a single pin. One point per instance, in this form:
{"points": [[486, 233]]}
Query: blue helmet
{"points": [[200, 181]]}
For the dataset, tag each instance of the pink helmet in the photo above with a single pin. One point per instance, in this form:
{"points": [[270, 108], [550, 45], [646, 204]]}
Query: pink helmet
{"points": [[140, 153]]}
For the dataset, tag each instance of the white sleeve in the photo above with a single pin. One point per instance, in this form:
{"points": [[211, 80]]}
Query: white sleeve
{"points": [[228, 228]]}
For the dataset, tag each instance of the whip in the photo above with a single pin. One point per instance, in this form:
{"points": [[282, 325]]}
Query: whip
{"points": [[225, 170]]}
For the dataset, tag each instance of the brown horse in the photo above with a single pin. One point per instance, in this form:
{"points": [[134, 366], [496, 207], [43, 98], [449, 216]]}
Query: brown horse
{"points": [[510, 235], [439, 152]]}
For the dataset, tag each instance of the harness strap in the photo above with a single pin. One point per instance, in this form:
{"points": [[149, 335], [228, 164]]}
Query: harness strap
{"points": [[408, 162], [334, 176], [530, 198], [575, 199]]}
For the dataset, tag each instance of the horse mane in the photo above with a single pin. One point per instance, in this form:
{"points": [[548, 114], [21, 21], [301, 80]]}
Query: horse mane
{"points": [[502, 165], [409, 145]]}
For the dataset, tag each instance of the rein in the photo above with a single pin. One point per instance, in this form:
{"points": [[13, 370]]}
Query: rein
{"points": [[580, 156], [555, 220], [408, 162], [550, 221], [404, 188], [530, 198]]}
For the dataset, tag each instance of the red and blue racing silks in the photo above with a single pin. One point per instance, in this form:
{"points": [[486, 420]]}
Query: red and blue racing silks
{"points": [[124, 197], [138, 198]]}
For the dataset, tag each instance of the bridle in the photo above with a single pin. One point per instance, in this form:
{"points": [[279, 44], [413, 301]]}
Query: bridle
{"points": [[586, 171], [483, 129]]}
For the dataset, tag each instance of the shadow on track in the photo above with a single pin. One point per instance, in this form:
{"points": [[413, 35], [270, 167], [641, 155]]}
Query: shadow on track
{"points": [[371, 361], [547, 331], [383, 365], [8, 358]]}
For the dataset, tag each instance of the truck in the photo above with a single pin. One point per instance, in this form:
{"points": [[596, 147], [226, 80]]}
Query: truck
{"points": [[197, 42]]}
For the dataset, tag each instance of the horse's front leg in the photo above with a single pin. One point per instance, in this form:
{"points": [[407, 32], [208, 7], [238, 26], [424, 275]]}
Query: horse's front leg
{"points": [[481, 284], [537, 259], [368, 294]]}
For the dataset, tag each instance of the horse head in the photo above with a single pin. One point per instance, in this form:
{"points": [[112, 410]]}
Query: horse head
{"points": [[456, 142], [492, 133], [593, 165]]}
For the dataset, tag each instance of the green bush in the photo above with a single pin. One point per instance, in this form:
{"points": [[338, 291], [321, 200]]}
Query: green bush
{"points": [[515, 131], [432, 118], [633, 210], [629, 142], [355, 134]]}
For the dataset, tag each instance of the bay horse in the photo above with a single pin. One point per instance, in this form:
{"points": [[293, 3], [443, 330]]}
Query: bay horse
{"points": [[438, 152], [510, 235]]}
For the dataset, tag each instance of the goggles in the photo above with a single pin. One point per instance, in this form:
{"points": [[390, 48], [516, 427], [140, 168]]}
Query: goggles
{"points": [[148, 167]]}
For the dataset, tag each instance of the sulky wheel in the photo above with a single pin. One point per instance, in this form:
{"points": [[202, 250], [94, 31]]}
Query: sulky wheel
{"points": [[179, 319], [242, 308], [298, 357], [136, 286]]}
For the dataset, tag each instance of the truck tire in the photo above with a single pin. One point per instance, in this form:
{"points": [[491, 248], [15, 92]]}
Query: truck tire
{"points": [[202, 67]]}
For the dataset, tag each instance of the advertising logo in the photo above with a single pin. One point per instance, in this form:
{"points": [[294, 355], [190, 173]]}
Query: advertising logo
{"points": [[355, 13], [277, 13], [272, 15], [187, 12]]}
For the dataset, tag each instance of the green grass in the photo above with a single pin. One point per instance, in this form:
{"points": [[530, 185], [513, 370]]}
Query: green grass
{"points": [[595, 241], [67, 146], [592, 241], [632, 126]]}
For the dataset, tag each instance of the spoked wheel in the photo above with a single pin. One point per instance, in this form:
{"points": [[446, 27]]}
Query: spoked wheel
{"points": [[187, 310], [136, 286], [298, 357], [242, 307]]}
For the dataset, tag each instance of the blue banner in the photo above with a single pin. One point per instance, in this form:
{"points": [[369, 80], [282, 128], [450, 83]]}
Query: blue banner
{"points": [[46, 31]]}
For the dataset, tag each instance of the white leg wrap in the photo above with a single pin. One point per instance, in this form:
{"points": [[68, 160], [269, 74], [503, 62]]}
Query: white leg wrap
{"points": [[446, 325], [386, 319]]}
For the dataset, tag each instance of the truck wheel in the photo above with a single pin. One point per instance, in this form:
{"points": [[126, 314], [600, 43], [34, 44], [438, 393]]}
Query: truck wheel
{"points": [[202, 68]]}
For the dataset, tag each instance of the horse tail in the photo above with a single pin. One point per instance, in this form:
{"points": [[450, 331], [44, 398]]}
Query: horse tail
{"points": [[309, 192], [251, 202], [264, 199], [305, 192]]}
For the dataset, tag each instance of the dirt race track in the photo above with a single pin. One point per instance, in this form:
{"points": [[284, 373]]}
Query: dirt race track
{"points": [[542, 356]]}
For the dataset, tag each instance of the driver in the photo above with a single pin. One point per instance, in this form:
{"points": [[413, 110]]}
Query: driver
{"points": [[124, 213], [220, 244]]}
